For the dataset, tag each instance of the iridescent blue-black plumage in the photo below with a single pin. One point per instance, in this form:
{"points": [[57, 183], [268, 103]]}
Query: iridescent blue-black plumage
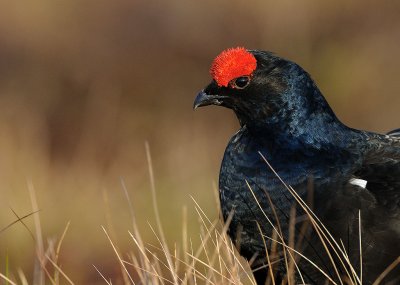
{"points": [[284, 117]]}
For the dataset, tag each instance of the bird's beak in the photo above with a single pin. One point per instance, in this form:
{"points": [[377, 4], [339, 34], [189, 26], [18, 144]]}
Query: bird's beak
{"points": [[204, 99]]}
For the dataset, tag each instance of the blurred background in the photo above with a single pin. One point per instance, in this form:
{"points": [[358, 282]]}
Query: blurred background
{"points": [[84, 83]]}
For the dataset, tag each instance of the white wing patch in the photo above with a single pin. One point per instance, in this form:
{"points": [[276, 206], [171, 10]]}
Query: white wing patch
{"points": [[394, 133], [358, 182]]}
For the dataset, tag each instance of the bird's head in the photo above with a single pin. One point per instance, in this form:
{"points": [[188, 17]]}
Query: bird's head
{"points": [[261, 88]]}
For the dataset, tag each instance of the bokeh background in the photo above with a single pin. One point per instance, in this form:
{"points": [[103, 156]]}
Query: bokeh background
{"points": [[84, 83]]}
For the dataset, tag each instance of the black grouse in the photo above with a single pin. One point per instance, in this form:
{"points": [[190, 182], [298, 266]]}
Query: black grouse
{"points": [[288, 133]]}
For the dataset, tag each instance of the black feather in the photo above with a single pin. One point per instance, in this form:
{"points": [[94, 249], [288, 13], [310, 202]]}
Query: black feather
{"points": [[284, 116]]}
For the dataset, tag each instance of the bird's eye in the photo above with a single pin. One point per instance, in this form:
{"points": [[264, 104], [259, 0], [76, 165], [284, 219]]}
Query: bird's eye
{"points": [[240, 82]]}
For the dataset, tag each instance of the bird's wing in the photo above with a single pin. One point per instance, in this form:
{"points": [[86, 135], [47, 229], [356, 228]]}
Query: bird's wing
{"points": [[394, 133], [381, 168]]}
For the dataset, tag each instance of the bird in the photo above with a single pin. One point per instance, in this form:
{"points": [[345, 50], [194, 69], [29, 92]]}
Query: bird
{"points": [[291, 147]]}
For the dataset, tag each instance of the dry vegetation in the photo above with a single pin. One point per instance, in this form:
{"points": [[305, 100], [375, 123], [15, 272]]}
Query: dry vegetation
{"points": [[215, 261], [83, 84]]}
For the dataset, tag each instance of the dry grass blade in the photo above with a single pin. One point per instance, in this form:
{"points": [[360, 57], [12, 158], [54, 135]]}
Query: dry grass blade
{"points": [[118, 256], [290, 270], [61, 240], [204, 239], [22, 277], [154, 274], [38, 272], [20, 219], [323, 240], [228, 269], [158, 261], [321, 230], [157, 214], [306, 258], [201, 210], [7, 279], [138, 237], [193, 262], [102, 276], [220, 242], [145, 260], [205, 251], [279, 232], [59, 270], [209, 228], [395, 263], [197, 272], [325, 237], [185, 232], [228, 245], [271, 277], [212, 269], [167, 255], [218, 253], [42, 264]]}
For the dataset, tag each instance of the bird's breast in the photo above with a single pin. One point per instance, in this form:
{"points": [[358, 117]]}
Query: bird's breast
{"points": [[248, 185]]}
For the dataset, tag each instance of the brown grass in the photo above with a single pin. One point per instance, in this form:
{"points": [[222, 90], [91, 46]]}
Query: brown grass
{"points": [[214, 261]]}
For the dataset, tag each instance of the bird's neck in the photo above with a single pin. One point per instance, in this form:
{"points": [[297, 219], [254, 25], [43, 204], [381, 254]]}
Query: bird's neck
{"points": [[304, 125]]}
